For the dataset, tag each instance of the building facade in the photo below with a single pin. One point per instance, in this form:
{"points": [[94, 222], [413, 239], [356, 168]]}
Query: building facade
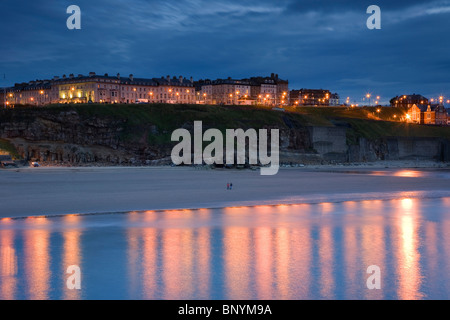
{"points": [[229, 91], [407, 101], [310, 97], [102, 89], [269, 91], [427, 114], [94, 88], [223, 91], [335, 100]]}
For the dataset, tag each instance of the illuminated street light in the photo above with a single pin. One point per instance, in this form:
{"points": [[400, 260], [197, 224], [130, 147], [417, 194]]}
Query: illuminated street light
{"points": [[368, 97]]}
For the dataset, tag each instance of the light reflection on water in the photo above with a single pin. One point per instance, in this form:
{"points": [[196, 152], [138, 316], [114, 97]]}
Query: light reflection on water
{"points": [[308, 251], [403, 173]]}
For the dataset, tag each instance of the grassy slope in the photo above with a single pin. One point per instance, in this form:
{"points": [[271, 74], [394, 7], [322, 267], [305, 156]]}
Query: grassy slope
{"points": [[6, 146], [367, 122], [168, 118]]}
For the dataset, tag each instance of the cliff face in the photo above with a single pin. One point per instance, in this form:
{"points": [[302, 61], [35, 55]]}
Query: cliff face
{"points": [[72, 138], [66, 137]]}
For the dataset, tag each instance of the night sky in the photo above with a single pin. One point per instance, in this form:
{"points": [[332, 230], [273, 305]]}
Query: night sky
{"points": [[313, 44]]}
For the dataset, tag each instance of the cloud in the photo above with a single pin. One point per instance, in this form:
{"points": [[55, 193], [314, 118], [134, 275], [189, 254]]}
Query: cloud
{"points": [[312, 43]]}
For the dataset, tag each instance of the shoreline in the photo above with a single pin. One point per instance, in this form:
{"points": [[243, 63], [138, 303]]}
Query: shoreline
{"points": [[56, 191], [385, 164], [269, 204], [60, 191]]}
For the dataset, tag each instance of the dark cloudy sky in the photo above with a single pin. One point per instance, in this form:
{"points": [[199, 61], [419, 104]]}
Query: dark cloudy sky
{"points": [[313, 43]]}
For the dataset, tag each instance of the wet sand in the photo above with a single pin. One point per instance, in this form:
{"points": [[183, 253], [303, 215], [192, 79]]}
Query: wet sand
{"points": [[56, 191]]}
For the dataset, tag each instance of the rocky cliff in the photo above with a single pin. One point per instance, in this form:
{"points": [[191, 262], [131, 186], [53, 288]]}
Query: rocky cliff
{"points": [[71, 136]]}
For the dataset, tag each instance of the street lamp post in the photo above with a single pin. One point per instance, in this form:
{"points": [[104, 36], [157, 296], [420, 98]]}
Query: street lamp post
{"points": [[4, 97], [41, 95], [4, 92]]}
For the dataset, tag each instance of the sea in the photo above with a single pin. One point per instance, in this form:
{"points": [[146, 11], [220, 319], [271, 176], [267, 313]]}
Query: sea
{"points": [[364, 249]]}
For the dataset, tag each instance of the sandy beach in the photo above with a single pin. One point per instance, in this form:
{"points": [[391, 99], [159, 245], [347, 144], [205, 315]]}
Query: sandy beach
{"points": [[57, 191]]}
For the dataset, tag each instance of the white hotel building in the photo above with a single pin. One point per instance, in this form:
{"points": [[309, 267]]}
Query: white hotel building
{"points": [[102, 89]]}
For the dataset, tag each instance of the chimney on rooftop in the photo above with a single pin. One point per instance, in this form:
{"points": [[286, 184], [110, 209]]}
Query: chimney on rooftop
{"points": [[64, 76], [106, 75], [71, 76], [192, 80], [118, 76], [168, 78], [131, 77], [181, 79]]}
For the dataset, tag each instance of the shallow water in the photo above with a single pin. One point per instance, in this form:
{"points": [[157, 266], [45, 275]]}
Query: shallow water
{"points": [[308, 251]]}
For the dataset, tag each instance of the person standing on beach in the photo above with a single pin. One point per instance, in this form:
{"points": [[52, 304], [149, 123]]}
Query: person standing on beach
{"points": [[231, 186], [228, 186]]}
